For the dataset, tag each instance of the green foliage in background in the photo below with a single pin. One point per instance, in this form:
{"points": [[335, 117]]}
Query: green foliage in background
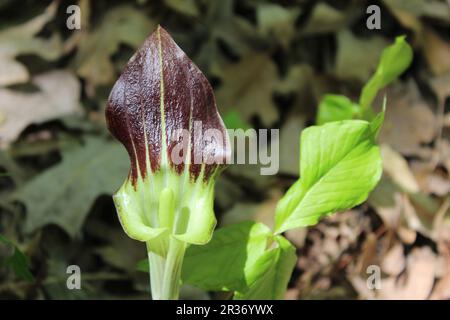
{"points": [[64, 194], [17, 261]]}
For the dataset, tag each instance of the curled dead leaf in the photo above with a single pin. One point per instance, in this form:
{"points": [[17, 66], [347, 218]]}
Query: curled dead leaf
{"points": [[58, 96]]}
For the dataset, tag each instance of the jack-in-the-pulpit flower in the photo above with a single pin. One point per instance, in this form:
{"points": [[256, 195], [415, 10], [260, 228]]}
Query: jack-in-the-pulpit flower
{"points": [[162, 109]]}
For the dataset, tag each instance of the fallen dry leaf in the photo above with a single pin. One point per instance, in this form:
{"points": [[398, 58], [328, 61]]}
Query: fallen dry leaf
{"points": [[297, 236], [437, 52], [277, 22], [407, 16], [429, 180], [248, 86], [387, 201], [368, 254], [442, 291], [121, 25], [22, 39], [325, 18], [397, 212], [441, 86], [442, 288], [416, 217], [355, 51], [397, 168], [290, 145], [447, 120], [394, 261], [437, 185], [418, 280], [58, 96], [292, 294], [409, 121], [444, 154]]}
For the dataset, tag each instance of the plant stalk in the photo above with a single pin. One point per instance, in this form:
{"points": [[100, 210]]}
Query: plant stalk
{"points": [[165, 268]]}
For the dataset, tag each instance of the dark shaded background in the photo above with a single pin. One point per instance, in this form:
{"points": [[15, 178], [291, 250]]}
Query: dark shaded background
{"points": [[270, 63]]}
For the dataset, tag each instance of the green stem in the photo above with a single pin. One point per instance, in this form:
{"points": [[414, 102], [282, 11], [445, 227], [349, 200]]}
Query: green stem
{"points": [[165, 268]]}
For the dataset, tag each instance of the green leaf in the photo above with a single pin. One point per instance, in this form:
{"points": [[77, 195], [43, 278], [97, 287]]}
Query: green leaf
{"points": [[4, 240], [377, 122], [339, 165], [270, 274], [394, 60], [227, 262], [335, 107], [64, 193], [233, 120], [245, 258], [18, 261], [142, 265]]}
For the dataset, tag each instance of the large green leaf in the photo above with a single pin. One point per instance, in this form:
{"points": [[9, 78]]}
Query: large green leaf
{"points": [[394, 60], [64, 193], [339, 165], [226, 261], [269, 276], [245, 258]]}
